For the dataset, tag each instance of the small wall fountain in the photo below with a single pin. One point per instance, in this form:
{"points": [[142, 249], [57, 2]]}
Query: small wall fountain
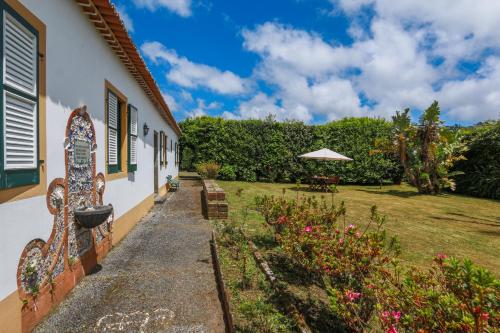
{"points": [[81, 233]]}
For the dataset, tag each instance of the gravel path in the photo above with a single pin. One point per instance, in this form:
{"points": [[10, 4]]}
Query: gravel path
{"points": [[158, 279]]}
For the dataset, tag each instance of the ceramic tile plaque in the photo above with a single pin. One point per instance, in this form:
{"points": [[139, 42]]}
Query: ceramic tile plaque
{"points": [[82, 152]]}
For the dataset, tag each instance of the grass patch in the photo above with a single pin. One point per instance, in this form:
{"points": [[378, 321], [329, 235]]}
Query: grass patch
{"points": [[255, 306], [457, 225]]}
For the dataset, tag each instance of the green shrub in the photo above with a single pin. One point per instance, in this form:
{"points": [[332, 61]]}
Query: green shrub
{"points": [[481, 168], [227, 172], [268, 150], [187, 159], [248, 175], [208, 170]]}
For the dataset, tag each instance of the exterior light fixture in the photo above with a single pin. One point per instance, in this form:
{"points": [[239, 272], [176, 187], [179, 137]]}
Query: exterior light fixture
{"points": [[146, 129]]}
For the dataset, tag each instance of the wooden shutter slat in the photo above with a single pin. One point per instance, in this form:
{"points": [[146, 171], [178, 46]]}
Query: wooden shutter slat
{"points": [[112, 147], [133, 150], [133, 121], [11, 27], [20, 56], [20, 132], [112, 110], [26, 63], [132, 135], [112, 129], [16, 49]]}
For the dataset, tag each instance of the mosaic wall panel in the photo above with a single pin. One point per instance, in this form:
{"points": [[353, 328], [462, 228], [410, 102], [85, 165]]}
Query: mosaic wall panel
{"points": [[41, 262]]}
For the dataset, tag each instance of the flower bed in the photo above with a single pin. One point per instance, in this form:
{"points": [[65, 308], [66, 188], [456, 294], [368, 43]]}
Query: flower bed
{"points": [[367, 288]]}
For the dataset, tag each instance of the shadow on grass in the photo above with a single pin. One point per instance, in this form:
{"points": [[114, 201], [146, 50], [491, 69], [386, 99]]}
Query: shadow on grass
{"points": [[265, 241], [319, 317], [475, 218], [396, 193], [471, 221], [317, 314], [290, 272], [494, 233]]}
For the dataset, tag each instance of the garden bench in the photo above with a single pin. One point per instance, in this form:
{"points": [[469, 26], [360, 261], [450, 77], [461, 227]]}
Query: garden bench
{"points": [[173, 183]]}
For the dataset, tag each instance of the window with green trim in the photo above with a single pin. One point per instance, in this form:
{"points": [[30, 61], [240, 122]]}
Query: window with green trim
{"points": [[132, 138], [165, 159], [19, 151], [114, 133], [175, 158], [162, 147]]}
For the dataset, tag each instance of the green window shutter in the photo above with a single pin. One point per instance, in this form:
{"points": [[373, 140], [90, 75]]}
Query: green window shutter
{"points": [[114, 133], [178, 153], [175, 153], [19, 155], [162, 145], [133, 121], [165, 159]]}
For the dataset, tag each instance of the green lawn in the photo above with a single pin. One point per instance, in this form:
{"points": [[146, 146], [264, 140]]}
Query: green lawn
{"points": [[456, 225]]}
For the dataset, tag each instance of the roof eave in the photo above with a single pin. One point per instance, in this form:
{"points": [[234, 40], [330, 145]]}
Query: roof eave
{"points": [[107, 21]]}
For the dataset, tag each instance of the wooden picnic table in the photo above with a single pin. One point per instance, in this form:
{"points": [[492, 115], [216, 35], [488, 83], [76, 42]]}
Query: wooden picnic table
{"points": [[323, 183]]}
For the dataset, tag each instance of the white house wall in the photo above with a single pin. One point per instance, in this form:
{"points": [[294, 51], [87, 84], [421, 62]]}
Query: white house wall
{"points": [[78, 61]]}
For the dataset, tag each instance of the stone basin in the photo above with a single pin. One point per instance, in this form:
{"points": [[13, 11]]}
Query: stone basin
{"points": [[91, 217]]}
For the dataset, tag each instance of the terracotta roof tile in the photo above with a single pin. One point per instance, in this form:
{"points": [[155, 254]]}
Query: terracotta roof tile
{"points": [[105, 17]]}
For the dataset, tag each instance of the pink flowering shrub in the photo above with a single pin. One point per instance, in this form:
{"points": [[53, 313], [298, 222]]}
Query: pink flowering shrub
{"points": [[368, 290], [452, 296], [317, 237]]}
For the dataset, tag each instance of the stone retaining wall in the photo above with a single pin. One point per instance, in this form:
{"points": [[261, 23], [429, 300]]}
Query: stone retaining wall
{"points": [[216, 205]]}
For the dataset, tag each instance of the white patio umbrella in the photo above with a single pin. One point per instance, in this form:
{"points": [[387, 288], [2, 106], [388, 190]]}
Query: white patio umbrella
{"points": [[325, 155]]}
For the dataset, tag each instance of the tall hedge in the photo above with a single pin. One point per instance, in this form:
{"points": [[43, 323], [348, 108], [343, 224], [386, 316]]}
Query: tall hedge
{"points": [[481, 168], [267, 150]]}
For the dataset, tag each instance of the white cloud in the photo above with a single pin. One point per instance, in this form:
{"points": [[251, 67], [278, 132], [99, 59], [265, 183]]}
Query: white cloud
{"points": [[180, 7], [188, 74], [171, 102], [127, 20], [460, 28], [306, 53], [388, 67], [202, 108], [476, 98], [393, 72], [306, 71], [186, 96], [230, 116], [261, 106]]}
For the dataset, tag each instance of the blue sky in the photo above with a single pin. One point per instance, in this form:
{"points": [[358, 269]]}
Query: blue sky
{"points": [[321, 60]]}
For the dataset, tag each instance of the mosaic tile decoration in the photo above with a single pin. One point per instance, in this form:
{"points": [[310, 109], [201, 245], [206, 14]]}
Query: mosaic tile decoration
{"points": [[41, 261]]}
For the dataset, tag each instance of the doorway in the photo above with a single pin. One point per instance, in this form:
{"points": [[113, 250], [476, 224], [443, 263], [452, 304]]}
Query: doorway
{"points": [[155, 164]]}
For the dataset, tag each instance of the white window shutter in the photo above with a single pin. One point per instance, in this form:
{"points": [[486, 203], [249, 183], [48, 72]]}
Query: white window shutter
{"points": [[20, 56], [20, 114], [133, 135], [133, 120], [20, 132], [133, 150], [112, 129]]}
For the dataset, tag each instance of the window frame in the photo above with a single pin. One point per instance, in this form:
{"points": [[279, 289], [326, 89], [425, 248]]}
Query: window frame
{"points": [[13, 178], [114, 168], [120, 169]]}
